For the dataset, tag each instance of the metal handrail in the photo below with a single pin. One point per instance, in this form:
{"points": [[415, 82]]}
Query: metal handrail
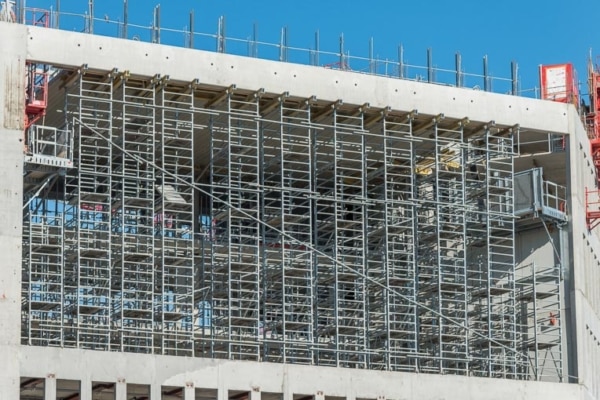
{"points": [[250, 47]]}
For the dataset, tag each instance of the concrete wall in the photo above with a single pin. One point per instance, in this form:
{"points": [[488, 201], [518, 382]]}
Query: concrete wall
{"points": [[278, 378], [585, 273], [535, 246], [12, 102]]}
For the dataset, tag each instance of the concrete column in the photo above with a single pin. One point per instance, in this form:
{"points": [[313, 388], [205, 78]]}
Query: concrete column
{"points": [[85, 389], [351, 394], [189, 392], [12, 115], [50, 387], [255, 393], [222, 389], [288, 393], [121, 389], [155, 391]]}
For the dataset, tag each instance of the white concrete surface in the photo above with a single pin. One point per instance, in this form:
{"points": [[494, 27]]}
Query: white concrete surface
{"points": [[585, 291], [12, 103], [104, 53], [256, 377]]}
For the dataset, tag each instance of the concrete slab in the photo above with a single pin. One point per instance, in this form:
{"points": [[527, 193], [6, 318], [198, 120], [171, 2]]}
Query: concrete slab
{"points": [[104, 53], [288, 379]]}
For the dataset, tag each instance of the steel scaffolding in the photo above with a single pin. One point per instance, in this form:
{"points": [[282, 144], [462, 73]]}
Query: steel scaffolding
{"points": [[227, 223]]}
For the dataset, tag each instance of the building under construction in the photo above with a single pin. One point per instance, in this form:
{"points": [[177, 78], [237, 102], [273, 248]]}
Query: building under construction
{"points": [[231, 231]]}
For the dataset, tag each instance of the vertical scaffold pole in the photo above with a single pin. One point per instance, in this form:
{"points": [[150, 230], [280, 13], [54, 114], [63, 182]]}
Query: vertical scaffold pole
{"points": [[486, 77], [401, 61], [221, 35], [459, 74], [254, 43], [57, 19], [156, 26], [372, 66], [21, 11], [316, 59], [342, 58], [191, 42], [429, 66], [514, 72], [125, 18], [91, 17], [283, 45]]}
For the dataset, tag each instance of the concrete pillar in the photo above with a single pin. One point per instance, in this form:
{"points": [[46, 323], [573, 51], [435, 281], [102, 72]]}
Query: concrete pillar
{"points": [[189, 392], [85, 389], [121, 389], [351, 394], [12, 114], [155, 391], [222, 389], [255, 393], [50, 387]]}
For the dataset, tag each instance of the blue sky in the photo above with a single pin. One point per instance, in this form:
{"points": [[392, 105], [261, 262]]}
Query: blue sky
{"points": [[529, 32]]}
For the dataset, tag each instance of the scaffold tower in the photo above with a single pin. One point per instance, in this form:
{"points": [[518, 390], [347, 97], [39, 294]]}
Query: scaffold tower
{"points": [[238, 224]]}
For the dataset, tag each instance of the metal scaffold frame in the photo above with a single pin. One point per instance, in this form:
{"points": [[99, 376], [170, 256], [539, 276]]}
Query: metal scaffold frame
{"points": [[174, 219], [496, 283], [539, 294], [227, 223]]}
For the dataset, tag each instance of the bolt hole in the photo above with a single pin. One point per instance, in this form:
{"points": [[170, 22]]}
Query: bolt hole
{"points": [[78, 44], [232, 67]]}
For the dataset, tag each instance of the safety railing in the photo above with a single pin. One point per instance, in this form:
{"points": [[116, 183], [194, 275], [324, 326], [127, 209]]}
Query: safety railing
{"points": [[555, 196], [37, 17], [252, 47], [536, 196], [50, 146]]}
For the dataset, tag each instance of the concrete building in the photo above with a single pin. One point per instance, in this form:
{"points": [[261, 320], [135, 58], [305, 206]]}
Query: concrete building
{"points": [[184, 224]]}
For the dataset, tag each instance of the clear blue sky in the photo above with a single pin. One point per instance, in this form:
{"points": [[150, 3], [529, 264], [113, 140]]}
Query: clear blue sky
{"points": [[529, 32]]}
